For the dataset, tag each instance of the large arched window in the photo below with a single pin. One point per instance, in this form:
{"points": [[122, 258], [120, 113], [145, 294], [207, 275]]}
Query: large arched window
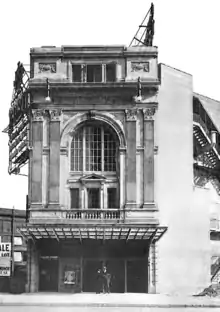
{"points": [[93, 148]]}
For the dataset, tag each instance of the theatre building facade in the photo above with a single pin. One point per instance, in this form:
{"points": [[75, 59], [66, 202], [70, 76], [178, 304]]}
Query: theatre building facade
{"points": [[110, 148]]}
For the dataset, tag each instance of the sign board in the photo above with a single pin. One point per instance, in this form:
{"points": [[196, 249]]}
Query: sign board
{"points": [[5, 259]]}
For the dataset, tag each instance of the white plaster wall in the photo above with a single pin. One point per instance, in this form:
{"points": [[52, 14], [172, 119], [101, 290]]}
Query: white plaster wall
{"points": [[182, 249]]}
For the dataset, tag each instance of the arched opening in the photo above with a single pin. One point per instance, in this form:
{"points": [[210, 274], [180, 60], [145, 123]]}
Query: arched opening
{"points": [[94, 149], [94, 161]]}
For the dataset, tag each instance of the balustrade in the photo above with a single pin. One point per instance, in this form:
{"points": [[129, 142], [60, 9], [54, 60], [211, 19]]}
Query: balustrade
{"points": [[93, 214]]}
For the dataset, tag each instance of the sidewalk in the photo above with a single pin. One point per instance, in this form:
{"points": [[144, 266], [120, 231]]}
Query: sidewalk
{"points": [[46, 302]]}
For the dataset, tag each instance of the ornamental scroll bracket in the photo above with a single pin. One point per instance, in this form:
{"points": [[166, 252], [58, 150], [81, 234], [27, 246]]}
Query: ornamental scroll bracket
{"points": [[131, 114]]}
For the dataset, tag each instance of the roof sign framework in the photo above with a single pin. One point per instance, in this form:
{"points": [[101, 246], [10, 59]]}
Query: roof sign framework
{"points": [[145, 34], [18, 121]]}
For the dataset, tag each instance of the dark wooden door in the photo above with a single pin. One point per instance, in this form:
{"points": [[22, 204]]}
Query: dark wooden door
{"points": [[137, 276], [48, 275], [91, 281]]}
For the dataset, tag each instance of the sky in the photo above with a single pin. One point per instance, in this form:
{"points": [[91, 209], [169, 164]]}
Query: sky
{"points": [[186, 33]]}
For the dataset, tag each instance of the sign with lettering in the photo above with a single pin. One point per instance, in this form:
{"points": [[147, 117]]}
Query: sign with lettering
{"points": [[5, 250], [5, 259]]}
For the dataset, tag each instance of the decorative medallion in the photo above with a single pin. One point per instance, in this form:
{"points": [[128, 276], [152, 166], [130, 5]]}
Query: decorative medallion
{"points": [[149, 113], [140, 66], [47, 68], [131, 114]]}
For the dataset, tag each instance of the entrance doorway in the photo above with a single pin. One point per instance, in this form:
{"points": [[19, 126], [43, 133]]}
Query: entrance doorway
{"points": [[48, 275], [90, 275], [137, 276]]}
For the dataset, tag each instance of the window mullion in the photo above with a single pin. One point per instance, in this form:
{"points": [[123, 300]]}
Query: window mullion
{"points": [[102, 148]]}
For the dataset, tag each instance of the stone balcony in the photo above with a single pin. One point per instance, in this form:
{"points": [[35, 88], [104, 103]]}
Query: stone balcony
{"points": [[93, 216]]}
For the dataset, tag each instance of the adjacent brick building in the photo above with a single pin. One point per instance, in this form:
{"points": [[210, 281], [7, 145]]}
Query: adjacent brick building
{"points": [[8, 220]]}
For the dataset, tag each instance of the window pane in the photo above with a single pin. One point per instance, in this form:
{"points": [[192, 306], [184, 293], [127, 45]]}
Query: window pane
{"points": [[94, 73], [109, 152], [112, 198], [77, 152], [76, 73], [17, 256], [6, 226], [93, 149], [110, 72], [93, 198], [17, 240], [74, 198]]}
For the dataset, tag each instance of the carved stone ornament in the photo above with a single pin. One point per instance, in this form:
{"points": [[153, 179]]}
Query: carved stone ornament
{"points": [[47, 68], [131, 114], [55, 114], [140, 66], [91, 114], [149, 113], [38, 114]]}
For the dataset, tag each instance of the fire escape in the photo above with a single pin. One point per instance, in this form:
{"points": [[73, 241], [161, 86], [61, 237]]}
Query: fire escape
{"points": [[206, 139]]}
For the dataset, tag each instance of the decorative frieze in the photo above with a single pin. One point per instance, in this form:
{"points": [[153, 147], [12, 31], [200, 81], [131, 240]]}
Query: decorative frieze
{"points": [[55, 114], [47, 68], [131, 114], [149, 113], [140, 66], [40, 114]]}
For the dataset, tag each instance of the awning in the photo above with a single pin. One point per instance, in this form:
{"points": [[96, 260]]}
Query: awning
{"points": [[120, 232]]}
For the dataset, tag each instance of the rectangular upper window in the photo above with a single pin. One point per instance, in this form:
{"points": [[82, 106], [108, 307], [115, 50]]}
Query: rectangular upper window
{"points": [[112, 198], [94, 72], [93, 198], [110, 72], [74, 192], [77, 71]]}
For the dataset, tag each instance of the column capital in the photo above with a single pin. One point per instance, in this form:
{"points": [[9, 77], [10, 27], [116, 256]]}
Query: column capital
{"points": [[55, 114], [149, 113], [131, 114], [37, 114]]}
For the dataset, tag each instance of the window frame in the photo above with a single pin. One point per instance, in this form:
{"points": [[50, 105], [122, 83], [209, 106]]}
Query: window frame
{"points": [[102, 171], [103, 71]]}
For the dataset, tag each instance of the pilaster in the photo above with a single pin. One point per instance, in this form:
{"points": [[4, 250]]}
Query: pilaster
{"points": [[45, 158], [36, 156], [152, 269], [54, 166], [122, 176], [32, 267], [131, 118], [148, 171]]}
